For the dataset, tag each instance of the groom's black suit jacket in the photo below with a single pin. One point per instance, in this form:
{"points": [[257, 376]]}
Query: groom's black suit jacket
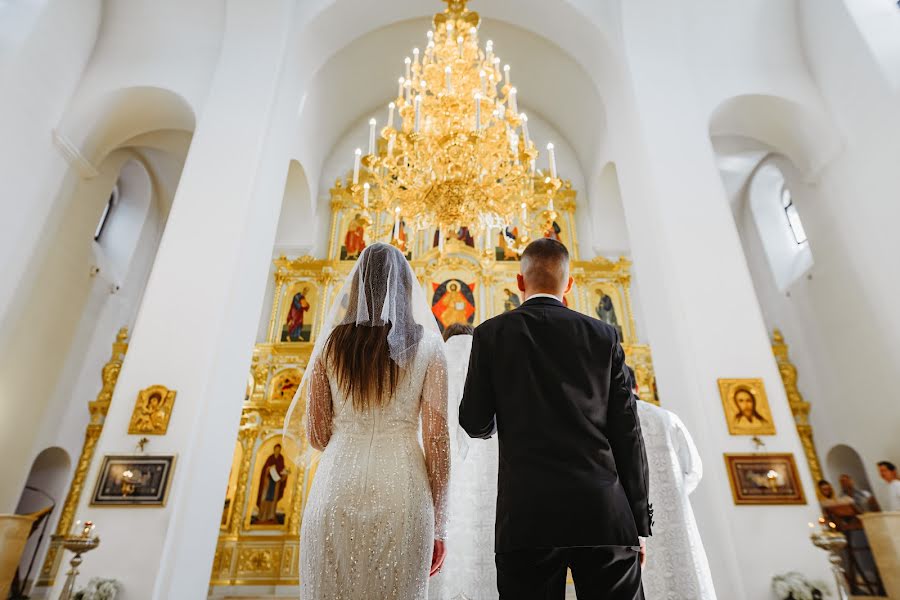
{"points": [[573, 471]]}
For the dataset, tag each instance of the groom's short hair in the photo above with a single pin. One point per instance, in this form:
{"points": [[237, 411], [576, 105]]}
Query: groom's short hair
{"points": [[545, 264]]}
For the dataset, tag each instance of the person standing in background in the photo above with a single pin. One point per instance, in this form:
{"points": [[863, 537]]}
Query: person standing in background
{"points": [[888, 472]]}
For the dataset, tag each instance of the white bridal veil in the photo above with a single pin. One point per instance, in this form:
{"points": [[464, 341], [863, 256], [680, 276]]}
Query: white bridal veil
{"points": [[381, 289]]}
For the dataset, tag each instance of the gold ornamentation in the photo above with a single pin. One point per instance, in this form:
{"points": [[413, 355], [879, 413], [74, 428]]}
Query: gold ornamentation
{"points": [[98, 409], [746, 407], [799, 407], [152, 411], [255, 561]]}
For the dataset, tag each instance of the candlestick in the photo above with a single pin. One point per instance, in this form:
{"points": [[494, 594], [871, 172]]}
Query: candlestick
{"points": [[551, 155], [418, 104], [366, 195], [415, 56], [524, 119], [390, 148], [407, 61], [372, 124], [506, 74], [459, 44], [483, 76], [513, 106], [477, 112], [357, 155], [400, 87], [550, 204], [407, 89], [449, 80], [524, 214], [391, 108]]}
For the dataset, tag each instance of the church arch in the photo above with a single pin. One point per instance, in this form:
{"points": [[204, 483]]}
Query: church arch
{"points": [[842, 459], [805, 136]]}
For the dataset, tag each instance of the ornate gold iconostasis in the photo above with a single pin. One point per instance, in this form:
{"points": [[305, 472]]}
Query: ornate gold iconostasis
{"points": [[467, 278]]}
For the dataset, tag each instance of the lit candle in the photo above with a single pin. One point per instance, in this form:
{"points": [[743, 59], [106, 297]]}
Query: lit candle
{"points": [[415, 56], [506, 74], [407, 61], [483, 76], [440, 241], [489, 50], [550, 204], [524, 213], [372, 124], [418, 113], [533, 166], [397, 223], [448, 76], [551, 155], [400, 87], [477, 112], [407, 89], [524, 119], [366, 195], [391, 108], [459, 44], [357, 154], [429, 49], [497, 65], [513, 105], [390, 148]]}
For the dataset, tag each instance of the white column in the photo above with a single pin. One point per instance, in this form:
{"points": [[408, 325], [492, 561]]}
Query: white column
{"points": [[197, 323], [702, 315]]}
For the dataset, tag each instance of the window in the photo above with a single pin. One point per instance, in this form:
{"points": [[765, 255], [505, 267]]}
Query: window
{"points": [[104, 218], [793, 217]]}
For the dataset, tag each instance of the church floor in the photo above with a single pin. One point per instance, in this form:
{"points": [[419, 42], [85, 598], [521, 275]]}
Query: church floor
{"points": [[570, 595]]}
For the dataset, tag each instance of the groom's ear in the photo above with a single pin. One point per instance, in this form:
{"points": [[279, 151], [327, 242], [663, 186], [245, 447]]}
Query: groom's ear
{"points": [[569, 285], [520, 282]]}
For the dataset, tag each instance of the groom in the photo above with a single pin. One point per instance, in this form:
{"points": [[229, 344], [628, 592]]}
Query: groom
{"points": [[572, 487]]}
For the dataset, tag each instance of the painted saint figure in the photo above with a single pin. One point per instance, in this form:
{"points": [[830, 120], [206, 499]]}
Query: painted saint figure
{"points": [[293, 326], [552, 231], [504, 251], [152, 416], [453, 302], [606, 311], [747, 413], [272, 481], [512, 301], [355, 239]]}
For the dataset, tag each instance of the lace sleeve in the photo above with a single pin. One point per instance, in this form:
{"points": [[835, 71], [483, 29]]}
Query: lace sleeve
{"points": [[319, 411], [436, 438]]}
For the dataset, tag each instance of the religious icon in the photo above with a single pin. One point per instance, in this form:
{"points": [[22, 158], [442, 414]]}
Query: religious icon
{"points": [[273, 478], [232, 485], [453, 302], [746, 407], [133, 480], [152, 411], [512, 300], [764, 479], [552, 230], [297, 328], [606, 311], [284, 386], [505, 238], [463, 234], [355, 238]]}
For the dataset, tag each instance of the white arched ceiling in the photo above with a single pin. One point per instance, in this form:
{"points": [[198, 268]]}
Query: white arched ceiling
{"points": [[552, 85]]}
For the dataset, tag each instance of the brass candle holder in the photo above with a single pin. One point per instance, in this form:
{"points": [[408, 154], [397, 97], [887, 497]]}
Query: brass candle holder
{"points": [[82, 539], [828, 538]]}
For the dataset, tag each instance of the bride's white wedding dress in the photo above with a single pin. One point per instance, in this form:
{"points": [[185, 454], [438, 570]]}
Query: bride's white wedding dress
{"points": [[469, 572], [369, 524]]}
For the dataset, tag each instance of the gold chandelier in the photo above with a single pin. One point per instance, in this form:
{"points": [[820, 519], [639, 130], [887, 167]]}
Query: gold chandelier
{"points": [[455, 151]]}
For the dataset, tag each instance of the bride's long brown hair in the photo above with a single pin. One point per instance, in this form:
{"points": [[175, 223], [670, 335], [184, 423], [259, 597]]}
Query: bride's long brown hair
{"points": [[359, 354]]}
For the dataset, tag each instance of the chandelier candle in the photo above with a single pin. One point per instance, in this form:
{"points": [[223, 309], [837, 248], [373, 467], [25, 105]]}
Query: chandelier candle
{"points": [[513, 105], [551, 155], [366, 187], [357, 155], [391, 108], [372, 124], [478, 112]]}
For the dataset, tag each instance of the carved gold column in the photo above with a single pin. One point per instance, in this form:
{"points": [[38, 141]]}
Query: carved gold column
{"points": [[247, 437], [799, 407], [98, 409]]}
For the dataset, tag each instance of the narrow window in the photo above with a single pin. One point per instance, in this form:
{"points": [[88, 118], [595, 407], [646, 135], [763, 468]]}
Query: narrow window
{"points": [[107, 210], [793, 217]]}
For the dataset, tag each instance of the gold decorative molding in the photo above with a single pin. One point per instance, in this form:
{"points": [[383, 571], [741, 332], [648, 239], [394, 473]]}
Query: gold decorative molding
{"points": [[799, 407], [98, 408]]}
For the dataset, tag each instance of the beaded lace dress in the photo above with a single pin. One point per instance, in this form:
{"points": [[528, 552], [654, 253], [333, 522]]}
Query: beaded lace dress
{"points": [[378, 499], [677, 567]]}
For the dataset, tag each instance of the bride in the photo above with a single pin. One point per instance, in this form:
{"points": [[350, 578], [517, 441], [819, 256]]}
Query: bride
{"points": [[375, 519]]}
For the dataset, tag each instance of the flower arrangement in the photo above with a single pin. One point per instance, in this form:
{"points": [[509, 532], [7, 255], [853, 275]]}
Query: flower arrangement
{"points": [[795, 586], [99, 589]]}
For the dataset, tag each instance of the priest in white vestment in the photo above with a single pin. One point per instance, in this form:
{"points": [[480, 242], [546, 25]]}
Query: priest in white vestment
{"points": [[469, 572], [677, 568]]}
